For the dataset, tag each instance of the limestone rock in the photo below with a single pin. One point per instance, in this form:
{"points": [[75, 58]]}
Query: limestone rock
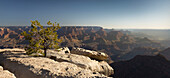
{"points": [[89, 53], [14, 49], [83, 62], [61, 50], [6, 73], [24, 66], [1, 68], [36, 54]]}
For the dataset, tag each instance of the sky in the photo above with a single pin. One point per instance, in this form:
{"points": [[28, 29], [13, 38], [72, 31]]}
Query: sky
{"points": [[121, 14]]}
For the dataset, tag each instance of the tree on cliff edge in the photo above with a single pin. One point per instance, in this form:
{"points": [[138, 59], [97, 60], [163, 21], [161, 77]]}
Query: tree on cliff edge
{"points": [[40, 37]]}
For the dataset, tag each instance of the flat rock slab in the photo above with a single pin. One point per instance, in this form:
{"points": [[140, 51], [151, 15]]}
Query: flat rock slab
{"points": [[83, 62], [24, 66]]}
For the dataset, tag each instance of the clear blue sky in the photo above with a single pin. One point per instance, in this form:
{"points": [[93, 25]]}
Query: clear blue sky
{"points": [[106, 13]]}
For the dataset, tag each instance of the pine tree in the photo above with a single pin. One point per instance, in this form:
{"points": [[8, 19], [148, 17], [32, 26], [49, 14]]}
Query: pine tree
{"points": [[40, 37]]}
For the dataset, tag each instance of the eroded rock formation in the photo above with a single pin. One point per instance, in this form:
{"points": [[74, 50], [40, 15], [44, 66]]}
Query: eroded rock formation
{"points": [[24, 66], [113, 42], [89, 53], [82, 61]]}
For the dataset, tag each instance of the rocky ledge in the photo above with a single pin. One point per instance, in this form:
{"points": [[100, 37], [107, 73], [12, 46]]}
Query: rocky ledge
{"points": [[81, 61], [89, 53], [63, 65]]}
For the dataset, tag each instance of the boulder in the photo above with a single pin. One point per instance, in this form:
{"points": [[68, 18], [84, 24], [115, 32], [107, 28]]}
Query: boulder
{"points": [[83, 62], [1, 68], [24, 66], [89, 53], [6, 73]]}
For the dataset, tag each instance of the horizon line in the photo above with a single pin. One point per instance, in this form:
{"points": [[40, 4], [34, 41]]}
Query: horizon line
{"points": [[101, 26]]}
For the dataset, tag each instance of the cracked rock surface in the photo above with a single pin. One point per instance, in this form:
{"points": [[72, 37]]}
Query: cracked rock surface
{"points": [[24, 66]]}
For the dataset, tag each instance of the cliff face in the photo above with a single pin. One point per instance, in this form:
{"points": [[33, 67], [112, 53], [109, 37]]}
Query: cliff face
{"points": [[143, 66], [10, 38], [114, 43], [95, 39]]}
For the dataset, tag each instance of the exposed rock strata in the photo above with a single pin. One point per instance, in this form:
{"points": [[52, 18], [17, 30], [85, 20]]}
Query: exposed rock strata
{"points": [[114, 43]]}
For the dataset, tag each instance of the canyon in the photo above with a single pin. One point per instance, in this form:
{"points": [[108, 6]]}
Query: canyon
{"points": [[114, 43], [124, 52]]}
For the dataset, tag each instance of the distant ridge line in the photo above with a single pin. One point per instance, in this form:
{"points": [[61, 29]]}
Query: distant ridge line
{"points": [[61, 26]]}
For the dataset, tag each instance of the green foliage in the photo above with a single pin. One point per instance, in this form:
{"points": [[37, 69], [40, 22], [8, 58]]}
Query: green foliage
{"points": [[41, 37]]}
